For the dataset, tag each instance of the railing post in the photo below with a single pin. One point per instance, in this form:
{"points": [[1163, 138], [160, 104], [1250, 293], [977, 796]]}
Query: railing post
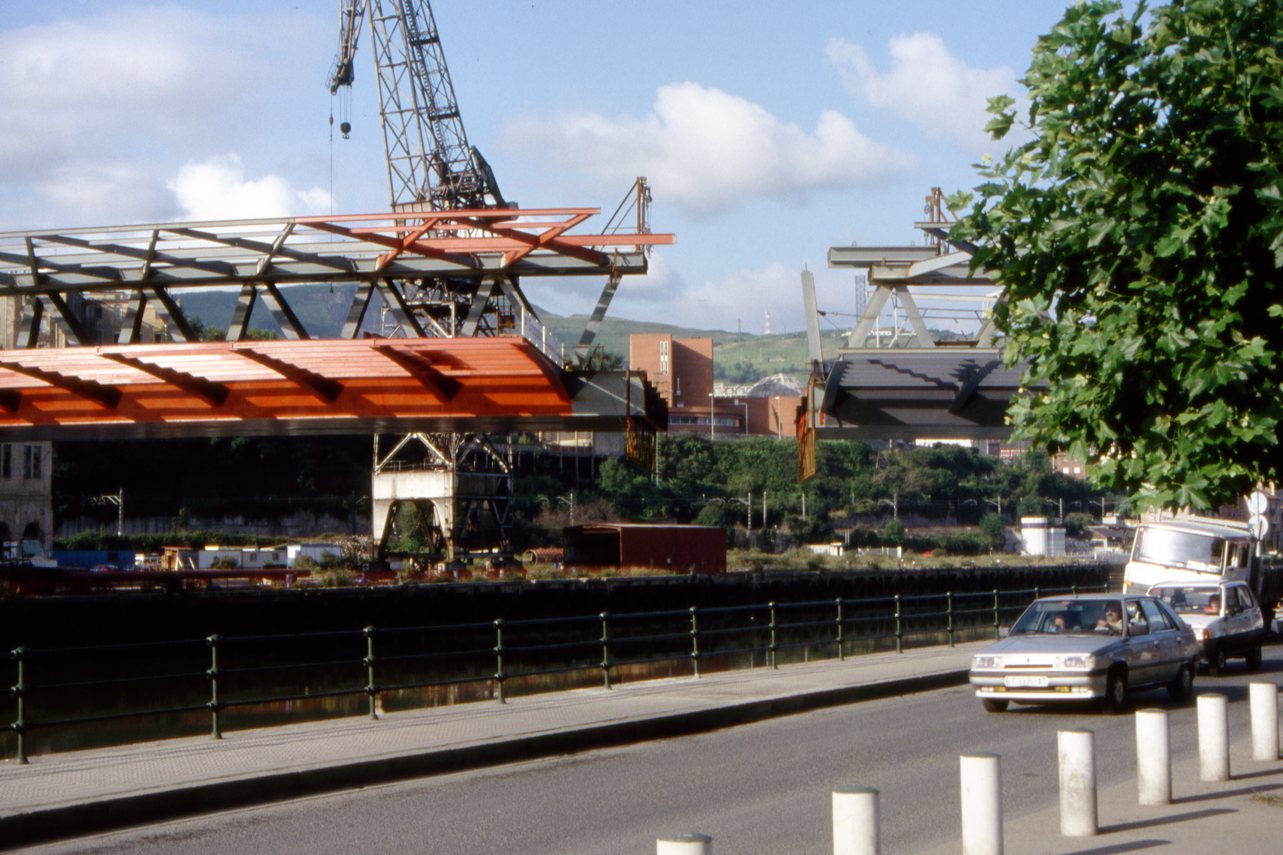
{"points": [[605, 648], [695, 640], [19, 691], [840, 639], [371, 687], [498, 661], [899, 628], [948, 610], [997, 616], [771, 650], [215, 706]]}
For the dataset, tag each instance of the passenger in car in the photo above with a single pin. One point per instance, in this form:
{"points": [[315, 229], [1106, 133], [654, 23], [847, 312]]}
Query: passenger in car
{"points": [[1112, 621]]}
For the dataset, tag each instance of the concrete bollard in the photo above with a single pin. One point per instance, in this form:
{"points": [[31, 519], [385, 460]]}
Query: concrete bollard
{"points": [[855, 821], [684, 844], [1213, 738], [1077, 762], [1153, 757], [1265, 721], [981, 804]]}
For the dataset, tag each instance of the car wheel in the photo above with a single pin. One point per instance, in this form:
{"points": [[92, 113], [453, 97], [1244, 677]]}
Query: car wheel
{"points": [[1216, 662], [1254, 658], [1116, 691], [1183, 686], [992, 705]]}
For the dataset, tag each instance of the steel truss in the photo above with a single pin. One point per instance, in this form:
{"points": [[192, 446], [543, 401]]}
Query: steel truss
{"points": [[394, 255]]}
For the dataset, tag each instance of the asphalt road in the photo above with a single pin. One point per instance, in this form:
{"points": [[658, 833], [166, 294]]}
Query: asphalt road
{"points": [[758, 789]]}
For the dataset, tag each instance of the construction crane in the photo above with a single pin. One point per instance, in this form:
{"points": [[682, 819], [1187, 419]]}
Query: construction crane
{"points": [[429, 159], [448, 493]]}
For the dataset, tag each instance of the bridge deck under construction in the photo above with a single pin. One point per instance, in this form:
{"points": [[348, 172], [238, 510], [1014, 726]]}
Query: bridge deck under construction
{"points": [[493, 384]]}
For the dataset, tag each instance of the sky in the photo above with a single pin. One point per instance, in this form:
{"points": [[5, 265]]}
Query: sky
{"points": [[768, 132]]}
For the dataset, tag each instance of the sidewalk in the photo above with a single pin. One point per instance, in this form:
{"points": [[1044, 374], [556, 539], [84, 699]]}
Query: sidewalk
{"points": [[1241, 816], [63, 795]]}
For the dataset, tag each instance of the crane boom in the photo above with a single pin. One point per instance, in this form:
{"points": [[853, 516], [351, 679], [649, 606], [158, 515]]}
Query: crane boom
{"points": [[429, 159]]}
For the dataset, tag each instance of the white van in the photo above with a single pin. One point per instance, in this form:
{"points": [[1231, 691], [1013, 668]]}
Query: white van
{"points": [[1199, 549]]}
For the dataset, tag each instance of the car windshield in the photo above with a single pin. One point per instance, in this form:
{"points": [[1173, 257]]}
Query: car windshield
{"points": [[1190, 600], [1057, 616]]}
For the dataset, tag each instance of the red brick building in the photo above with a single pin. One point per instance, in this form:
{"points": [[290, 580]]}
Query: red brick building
{"points": [[681, 369]]}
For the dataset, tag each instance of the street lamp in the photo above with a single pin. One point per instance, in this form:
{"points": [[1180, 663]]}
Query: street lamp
{"points": [[1059, 504], [570, 504], [747, 503], [712, 417]]}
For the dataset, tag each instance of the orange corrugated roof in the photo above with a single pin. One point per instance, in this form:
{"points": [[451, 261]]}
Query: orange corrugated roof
{"points": [[483, 379]]}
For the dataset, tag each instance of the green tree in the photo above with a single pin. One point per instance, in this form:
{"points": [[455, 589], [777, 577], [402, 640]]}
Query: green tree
{"points": [[993, 528], [1138, 234]]}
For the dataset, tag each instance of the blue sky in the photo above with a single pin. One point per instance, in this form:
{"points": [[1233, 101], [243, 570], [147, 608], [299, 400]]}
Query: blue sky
{"points": [[768, 131]]}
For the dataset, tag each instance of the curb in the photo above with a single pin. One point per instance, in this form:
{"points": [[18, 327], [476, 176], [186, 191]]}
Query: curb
{"points": [[42, 826]]}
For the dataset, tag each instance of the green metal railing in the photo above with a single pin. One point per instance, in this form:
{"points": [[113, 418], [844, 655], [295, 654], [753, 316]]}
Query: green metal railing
{"points": [[52, 687]]}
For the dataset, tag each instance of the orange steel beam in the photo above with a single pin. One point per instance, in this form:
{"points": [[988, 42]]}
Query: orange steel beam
{"points": [[309, 386]]}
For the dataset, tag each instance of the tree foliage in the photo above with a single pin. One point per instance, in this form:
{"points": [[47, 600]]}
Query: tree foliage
{"points": [[1139, 236]]}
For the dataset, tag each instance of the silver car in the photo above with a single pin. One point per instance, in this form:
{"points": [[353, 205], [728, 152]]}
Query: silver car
{"points": [[1087, 647]]}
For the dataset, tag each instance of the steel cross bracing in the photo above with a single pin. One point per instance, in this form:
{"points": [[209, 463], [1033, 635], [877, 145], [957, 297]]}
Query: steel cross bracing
{"points": [[157, 263]]}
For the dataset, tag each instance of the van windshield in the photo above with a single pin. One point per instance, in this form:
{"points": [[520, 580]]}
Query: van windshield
{"points": [[1198, 552]]}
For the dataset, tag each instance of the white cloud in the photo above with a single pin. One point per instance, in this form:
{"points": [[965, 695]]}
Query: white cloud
{"points": [[107, 193], [74, 82], [100, 109], [739, 299], [927, 86], [707, 150], [216, 189]]}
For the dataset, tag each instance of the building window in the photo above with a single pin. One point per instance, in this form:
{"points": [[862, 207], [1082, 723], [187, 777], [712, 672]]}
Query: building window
{"points": [[663, 363], [31, 461]]}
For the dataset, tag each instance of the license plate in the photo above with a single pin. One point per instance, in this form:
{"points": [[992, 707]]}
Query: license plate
{"points": [[1026, 681]]}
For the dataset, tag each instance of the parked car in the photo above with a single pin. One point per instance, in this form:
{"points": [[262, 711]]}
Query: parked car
{"points": [[1087, 647], [1225, 617]]}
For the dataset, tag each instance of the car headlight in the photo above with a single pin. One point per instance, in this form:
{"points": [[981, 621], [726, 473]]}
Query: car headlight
{"points": [[984, 662], [1076, 661]]}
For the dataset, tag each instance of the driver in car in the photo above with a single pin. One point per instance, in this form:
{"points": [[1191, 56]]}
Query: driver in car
{"points": [[1113, 619]]}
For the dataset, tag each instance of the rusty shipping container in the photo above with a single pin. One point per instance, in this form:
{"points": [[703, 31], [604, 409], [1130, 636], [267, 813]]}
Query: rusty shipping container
{"points": [[680, 548]]}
